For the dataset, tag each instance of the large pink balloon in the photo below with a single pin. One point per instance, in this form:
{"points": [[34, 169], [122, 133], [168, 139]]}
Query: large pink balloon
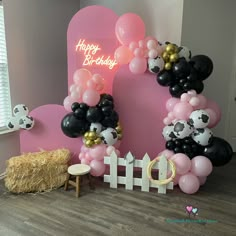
{"points": [[138, 65], [202, 102], [189, 183], [214, 119], [123, 55], [214, 106], [182, 163], [91, 97], [167, 153], [171, 102], [81, 76], [201, 166], [182, 110], [97, 168], [176, 179], [202, 179], [129, 27], [98, 152]]}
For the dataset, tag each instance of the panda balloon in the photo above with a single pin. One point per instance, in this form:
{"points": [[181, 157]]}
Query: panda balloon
{"points": [[155, 65], [26, 122], [96, 127], [20, 110], [109, 136]]}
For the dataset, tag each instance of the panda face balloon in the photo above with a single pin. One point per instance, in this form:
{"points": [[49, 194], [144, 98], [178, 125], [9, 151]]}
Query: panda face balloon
{"points": [[26, 122], [182, 129], [20, 110], [202, 136], [13, 124], [168, 132], [109, 136], [96, 127], [155, 65], [184, 52], [199, 119]]}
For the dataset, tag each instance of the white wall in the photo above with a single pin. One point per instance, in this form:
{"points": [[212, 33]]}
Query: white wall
{"points": [[163, 19], [208, 28], [37, 55]]}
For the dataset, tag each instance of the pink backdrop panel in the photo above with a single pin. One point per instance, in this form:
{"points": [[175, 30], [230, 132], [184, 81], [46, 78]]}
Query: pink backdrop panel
{"points": [[47, 133], [140, 103], [92, 25]]}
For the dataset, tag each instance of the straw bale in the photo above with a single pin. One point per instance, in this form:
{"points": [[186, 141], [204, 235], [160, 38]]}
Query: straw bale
{"points": [[38, 171]]}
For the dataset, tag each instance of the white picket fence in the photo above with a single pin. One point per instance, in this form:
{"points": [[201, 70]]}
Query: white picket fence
{"points": [[130, 163]]}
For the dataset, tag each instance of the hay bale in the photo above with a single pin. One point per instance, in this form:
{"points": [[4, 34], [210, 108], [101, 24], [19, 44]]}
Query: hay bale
{"points": [[37, 172]]}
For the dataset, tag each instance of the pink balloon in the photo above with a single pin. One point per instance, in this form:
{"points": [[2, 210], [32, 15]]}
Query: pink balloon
{"points": [[68, 102], [214, 119], [72, 87], [176, 179], [85, 161], [202, 102], [152, 44], [133, 46], [97, 168], [123, 55], [167, 121], [91, 97], [139, 52], [75, 96], [117, 144], [202, 179], [201, 166], [110, 149], [214, 106], [189, 183], [153, 53], [182, 163], [129, 27], [167, 153], [91, 84], [138, 65], [84, 149], [182, 110], [185, 97], [97, 152], [142, 44], [171, 115], [171, 103], [81, 76], [117, 152], [81, 155], [194, 101]]}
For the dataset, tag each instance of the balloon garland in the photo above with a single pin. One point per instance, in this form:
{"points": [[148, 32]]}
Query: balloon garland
{"points": [[93, 118], [190, 143]]}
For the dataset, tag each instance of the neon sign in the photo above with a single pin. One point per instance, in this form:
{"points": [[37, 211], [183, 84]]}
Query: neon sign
{"points": [[90, 52]]}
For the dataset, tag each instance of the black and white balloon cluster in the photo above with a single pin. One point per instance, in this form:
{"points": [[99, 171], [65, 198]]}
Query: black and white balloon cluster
{"points": [[189, 137], [180, 71], [97, 124], [20, 118]]}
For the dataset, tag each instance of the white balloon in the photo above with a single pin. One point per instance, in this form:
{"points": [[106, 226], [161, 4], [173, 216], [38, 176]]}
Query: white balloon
{"points": [[13, 123], [184, 52], [26, 122], [199, 119], [155, 65], [109, 136], [96, 127], [20, 110], [168, 132], [202, 136], [182, 129]]}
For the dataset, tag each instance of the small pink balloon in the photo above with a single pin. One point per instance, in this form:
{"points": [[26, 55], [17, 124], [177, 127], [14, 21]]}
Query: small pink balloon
{"points": [[167, 153], [91, 84], [97, 152], [176, 179], [84, 149], [91, 97], [81, 76], [182, 163], [110, 149], [201, 166], [85, 161], [152, 44], [202, 179], [117, 144], [97, 78], [68, 102], [213, 118], [185, 97], [75, 96], [142, 43], [88, 157], [123, 55], [192, 93], [129, 27], [81, 155], [182, 110], [167, 121], [153, 53], [171, 115], [97, 168], [194, 101], [202, 103], [171, 103], [72, 87], [117, 152], [133, 46], [138, 65], [139, 52], [160, 50], [189, 183], [214, 106], [80, 90]]}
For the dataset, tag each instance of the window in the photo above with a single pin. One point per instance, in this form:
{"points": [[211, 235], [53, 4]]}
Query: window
{"points": [[5, 101]]}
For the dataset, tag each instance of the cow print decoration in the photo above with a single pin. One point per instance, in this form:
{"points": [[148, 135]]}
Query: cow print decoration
{"points": [[20, 110], [182, 129], [26, 122], [109, 136], [199, 119], [155, 65], [202, 137]]}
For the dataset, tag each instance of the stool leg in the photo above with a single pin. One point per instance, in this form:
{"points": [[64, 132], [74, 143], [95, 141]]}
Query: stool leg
{"points": [[67, 181], [90, 182], [77, 186]]}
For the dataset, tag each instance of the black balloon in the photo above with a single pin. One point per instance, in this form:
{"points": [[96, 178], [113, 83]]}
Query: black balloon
{"points": [[176, 90], [203, 65], [197, 85], [94, 114], [193, 75], [83, 106], [165, 78], [170, 145], [181, 68], [73, 127], [219, 152], [80, 113], [74, 106], [106, 96]]}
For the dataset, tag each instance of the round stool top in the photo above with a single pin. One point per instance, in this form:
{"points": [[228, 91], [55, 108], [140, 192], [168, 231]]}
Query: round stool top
{"points": [[79, 169]]}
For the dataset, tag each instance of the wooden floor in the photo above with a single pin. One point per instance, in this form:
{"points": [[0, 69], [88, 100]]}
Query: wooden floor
{"points": [[106, 211]]}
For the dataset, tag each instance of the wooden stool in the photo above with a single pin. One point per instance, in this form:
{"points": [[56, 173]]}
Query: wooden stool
{"points": [[77, 171]]}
